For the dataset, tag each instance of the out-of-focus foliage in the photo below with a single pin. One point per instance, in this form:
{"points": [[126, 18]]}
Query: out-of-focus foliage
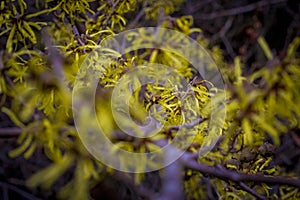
{"points": [[45, 43]]}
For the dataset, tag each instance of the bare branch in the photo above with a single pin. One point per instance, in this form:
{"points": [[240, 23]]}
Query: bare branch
{"points": [[251, 191], [239, 10], [188, 125], [223, 30], [139, 189], [10, 132], [220, 172], [209, 187], [137, 19], [77, 35], [26, 195], [172, 185]]}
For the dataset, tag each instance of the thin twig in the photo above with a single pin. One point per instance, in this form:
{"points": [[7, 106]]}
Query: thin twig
{"points": [[10, 132], [198, 5], [188, 125], [239, 10], [232, 143], [220, 172], [142, 191], [251, 191], [228, 47], [77, 35], [223, 30], [209, 188], [137, 19], [23, 193]]}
